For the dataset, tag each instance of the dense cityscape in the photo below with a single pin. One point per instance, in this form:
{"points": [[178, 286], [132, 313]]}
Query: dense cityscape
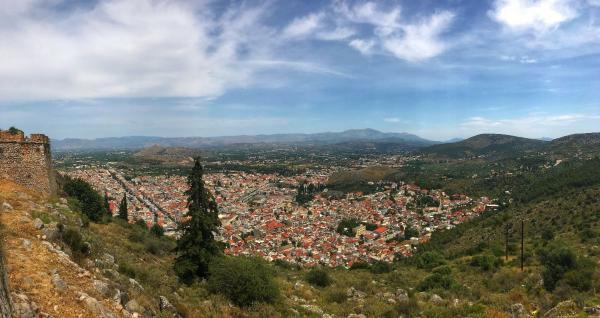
{"points": [[260, 216]]}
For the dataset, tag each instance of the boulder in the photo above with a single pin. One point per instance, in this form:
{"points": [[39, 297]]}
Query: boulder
{"points": [[95, 306], [402, 295], [51, 231], [313, 309], [354, 293], [164, 304], [298, 285], [121, 297], [108, 259], [133, 306], [26, 244], [436, 300], [23, 310], [58, 283], [102, 288], [6, 207], [593, 311], [136, 285], [22, 307], [518, 311], [38, 224], [562, 309]]}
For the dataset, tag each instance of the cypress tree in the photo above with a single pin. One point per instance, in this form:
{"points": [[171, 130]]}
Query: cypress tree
{"points": [[123, 214], [106, 204], [197, 246]]}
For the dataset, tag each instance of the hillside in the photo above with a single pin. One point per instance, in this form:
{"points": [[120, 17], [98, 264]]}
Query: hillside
{"points": [[485, 145], [580, 145], [48, 276], [42, 277], [167, 155], [358, 180]]}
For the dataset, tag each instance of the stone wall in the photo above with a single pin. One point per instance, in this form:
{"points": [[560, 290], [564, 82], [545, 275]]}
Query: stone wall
{"points": [[5, 304], [28, 162]]}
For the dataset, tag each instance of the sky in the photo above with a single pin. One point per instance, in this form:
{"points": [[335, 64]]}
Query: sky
{"points": [[440, 69]]}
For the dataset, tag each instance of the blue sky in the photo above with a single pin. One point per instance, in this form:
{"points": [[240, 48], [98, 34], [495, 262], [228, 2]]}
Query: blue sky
{"points": [[439, 69]]}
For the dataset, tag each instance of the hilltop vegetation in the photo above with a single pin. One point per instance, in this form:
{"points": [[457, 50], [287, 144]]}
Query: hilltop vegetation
{"points": [[496, 146], [487, 145]]}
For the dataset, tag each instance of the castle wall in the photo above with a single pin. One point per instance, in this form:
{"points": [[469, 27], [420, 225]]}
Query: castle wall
{"points": [[28, 163]]}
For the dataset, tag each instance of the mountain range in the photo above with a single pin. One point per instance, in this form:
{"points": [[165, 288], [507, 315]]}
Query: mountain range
{"points": [[359, 141], [137, 142]]}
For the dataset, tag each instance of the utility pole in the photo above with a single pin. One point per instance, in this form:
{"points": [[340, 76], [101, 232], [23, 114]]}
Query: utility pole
{"points": [[522, 240], [506, 242]]}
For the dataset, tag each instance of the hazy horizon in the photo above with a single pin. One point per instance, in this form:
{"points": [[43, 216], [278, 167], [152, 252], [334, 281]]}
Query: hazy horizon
{"points": [[308, 133]]}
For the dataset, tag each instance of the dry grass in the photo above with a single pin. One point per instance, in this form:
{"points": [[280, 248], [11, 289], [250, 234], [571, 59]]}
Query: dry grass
{"points": [[29, 270]]}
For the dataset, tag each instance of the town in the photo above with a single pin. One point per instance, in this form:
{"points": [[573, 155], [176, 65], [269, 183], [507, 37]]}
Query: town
{"points": [[260, 214]]}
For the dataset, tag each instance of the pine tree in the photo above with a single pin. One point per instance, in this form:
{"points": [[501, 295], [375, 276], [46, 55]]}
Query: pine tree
{"points": [[197, 246], [123, 214]]}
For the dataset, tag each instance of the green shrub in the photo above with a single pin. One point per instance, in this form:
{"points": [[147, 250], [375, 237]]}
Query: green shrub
{"points": [[318, 277], [336, 295], [159, 246], [89, 201], [286, 265], [137, 236], [486, 262], [360, 265], [557, 259], [442, 270], [72, 238], [436, 281], [245, 281], [157, 230], [126, 269], [142, 224], [380, 267], [429, 260]]}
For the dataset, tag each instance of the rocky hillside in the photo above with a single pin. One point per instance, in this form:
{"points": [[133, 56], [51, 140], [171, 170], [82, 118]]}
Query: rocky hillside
{"points": [[43, 276]]}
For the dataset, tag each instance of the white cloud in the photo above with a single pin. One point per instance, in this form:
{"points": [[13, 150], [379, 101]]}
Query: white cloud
{"points": [[419, 41], [536, 15], [412, 41], [304, 26], [317, 26], [368, 13], [133, 48], [520, 59], [125, 48], [363, 46]]}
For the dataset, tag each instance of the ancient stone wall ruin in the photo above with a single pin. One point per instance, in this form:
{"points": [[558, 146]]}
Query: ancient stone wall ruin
{"points": [[27, 161]]}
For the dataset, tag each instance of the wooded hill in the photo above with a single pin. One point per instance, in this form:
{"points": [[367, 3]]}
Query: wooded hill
{"points": [[496, 146]]}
